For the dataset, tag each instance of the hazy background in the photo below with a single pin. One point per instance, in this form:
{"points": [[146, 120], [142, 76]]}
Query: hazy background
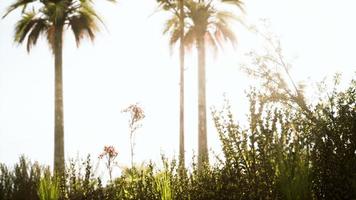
{"points": [[130, 62]]}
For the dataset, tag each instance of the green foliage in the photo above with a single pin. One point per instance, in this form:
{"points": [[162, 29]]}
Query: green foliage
{"points": [[267, 159], [6, 183], [79, 15], [49, 187], [281, 154], [163, 184], [21, 182], [80, 182], [136, 183], [334, 146], [201, 20]]}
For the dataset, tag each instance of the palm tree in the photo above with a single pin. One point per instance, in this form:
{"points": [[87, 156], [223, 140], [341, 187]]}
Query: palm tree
{"points": [[204, 25], [178, 22], [50, 18], [181, 86]]}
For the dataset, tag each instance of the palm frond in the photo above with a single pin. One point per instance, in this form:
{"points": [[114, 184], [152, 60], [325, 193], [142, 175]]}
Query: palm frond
{"points": [[87, 7], [112, 1], [17, 4], [211, 41], [49, 16], [169, 5], [83, 25], [39, 28], [189, 38], [226, 16], [24, 25], [237, 3], [224, 32], [171, 24], [174, 37]]}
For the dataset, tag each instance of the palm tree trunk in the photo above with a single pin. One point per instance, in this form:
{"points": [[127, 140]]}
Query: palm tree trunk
{"points": [[58, 110], [181, 89], [202, 132]]}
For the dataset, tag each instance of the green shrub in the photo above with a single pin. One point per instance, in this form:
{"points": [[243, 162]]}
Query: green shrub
{"points": [[80, 181], [334, 146], [21, 182], [6, 183], [49, 187], [270, 158]]}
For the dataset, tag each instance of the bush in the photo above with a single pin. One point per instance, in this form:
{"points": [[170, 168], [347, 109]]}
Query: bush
{"points": [[20, 183], [268, 159], [334, 146]]}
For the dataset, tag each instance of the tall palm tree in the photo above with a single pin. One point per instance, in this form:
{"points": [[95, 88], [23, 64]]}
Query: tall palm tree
{"points": [[177, 8], [50, 18], [181, 86], [205, 25]]}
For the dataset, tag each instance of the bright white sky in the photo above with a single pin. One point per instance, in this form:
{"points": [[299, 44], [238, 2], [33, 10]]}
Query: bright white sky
{"points": [[130, 62]]}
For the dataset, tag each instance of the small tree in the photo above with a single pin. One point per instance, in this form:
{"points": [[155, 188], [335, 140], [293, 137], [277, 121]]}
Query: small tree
{"points": [[110, 155], [136, 116]]}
